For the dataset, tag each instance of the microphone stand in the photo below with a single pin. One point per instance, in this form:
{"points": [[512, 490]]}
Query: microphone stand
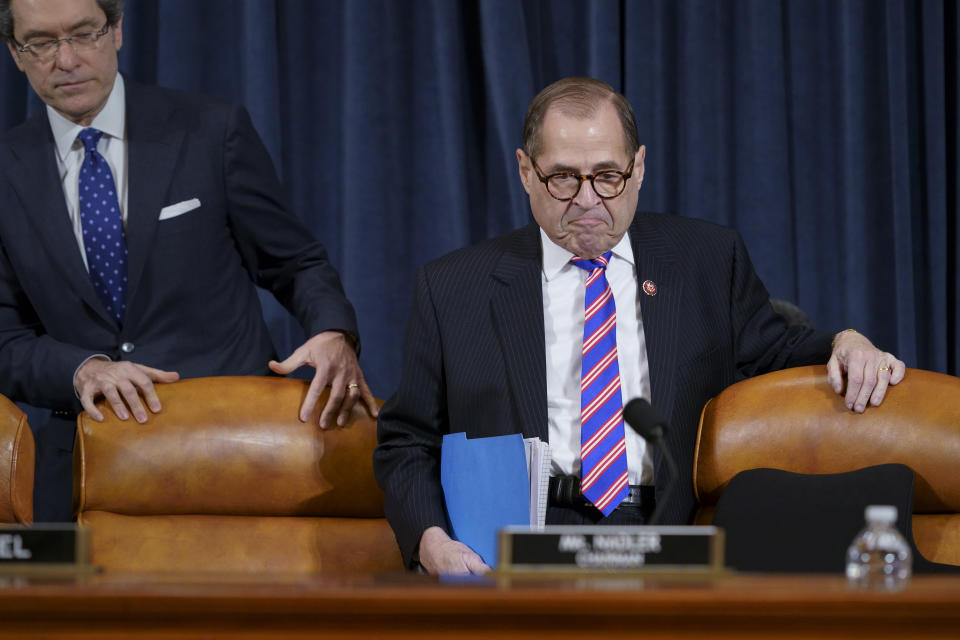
{"points": [[644, 419]]}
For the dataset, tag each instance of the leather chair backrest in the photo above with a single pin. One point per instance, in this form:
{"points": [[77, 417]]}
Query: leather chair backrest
{"points": [[227, 478], [17, 453], [792, 420]]}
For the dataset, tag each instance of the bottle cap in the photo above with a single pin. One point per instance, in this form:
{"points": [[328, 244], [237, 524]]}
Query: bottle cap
{"points": [[885, 513]]}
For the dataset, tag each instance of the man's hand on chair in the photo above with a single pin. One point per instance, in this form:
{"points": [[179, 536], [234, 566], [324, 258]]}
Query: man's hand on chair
{"points": [[122, 384], [335, 361], [866, 370]]}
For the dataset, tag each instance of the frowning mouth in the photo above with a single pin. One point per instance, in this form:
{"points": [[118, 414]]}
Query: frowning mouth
{"points": [[589, 221], [70, 85]]}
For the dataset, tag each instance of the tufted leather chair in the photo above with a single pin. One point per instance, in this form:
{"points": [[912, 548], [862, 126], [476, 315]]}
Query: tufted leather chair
{"points": [[792, 420], [17, 453], [227, 478]]}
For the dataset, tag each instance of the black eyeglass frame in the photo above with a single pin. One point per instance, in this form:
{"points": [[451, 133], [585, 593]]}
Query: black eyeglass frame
{"points": [[581, 177]]}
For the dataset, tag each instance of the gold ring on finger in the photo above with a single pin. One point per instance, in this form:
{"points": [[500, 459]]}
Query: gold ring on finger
{"points": [[884, 368], [353, 385]]}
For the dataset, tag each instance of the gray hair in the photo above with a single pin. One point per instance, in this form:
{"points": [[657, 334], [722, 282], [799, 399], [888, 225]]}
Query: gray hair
{"points": [[113, 9]]}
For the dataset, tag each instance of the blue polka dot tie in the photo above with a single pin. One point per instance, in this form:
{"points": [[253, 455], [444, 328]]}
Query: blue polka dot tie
{"points": [[102, 223], [603, 449]]}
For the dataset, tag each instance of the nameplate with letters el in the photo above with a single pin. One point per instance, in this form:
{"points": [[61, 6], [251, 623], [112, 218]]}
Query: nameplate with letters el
{"points": [[611, 548], [43, 547]]}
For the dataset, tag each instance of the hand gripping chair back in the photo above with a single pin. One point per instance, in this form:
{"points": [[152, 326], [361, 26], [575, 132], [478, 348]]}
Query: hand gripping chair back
{"points": [[227, 478], [793, 421], [17, 453]]}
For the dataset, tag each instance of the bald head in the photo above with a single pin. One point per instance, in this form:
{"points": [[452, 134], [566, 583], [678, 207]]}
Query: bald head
{"points": [[581, 99]]}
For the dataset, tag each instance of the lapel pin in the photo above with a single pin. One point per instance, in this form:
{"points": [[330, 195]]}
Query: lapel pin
{"points": [[649, 287]]}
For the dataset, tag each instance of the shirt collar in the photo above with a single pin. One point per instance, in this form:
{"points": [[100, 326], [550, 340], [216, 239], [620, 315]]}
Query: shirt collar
{"points": [[111, 120], [556, 258]]}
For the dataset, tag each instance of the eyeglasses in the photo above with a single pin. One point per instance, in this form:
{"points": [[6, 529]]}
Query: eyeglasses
{"points": [[565, 185], [46, 50]]}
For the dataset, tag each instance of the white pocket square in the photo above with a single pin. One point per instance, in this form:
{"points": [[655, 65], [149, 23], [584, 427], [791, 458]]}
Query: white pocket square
{"points": [[179, 209]]}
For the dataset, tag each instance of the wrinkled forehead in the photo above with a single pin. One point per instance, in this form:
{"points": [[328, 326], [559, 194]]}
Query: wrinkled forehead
{"points": [[581, 141]]}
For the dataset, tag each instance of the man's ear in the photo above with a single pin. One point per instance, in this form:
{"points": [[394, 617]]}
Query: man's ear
{"points": [[15, 55], [117, 30], [638, 165], [525, 169]]}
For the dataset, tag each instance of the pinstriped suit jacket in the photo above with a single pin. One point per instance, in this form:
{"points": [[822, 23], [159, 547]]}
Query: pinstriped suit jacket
{"points": [[474, 354]]}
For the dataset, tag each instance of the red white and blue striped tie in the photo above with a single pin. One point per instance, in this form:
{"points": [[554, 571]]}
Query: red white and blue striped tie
{"points": [[603, 450]]}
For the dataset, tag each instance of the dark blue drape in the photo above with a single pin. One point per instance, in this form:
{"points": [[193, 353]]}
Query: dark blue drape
{"points": [[824, 130]]}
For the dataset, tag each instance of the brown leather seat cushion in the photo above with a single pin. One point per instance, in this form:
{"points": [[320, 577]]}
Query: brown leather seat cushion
{"points": [[17, 453], [251, 544]]}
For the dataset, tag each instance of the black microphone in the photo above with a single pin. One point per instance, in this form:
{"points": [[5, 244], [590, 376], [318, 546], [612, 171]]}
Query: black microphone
{"points": [[644, 419]]}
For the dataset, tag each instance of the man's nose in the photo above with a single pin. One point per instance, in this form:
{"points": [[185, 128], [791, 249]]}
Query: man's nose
{"points": [[66, 56], [586, 198]]}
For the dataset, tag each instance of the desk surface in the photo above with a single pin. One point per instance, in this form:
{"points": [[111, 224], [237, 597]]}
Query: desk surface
{"points": [[411, 606]]}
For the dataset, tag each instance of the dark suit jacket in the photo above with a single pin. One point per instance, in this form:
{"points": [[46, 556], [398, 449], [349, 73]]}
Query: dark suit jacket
{"points": [[474, 355], [191, 301]]}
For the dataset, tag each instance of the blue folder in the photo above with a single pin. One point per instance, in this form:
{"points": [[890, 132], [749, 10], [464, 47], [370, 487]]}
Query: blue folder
{"points": [[486, 487]]}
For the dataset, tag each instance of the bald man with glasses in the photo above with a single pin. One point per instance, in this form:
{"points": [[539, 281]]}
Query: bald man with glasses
{"points": [[548, 330]]}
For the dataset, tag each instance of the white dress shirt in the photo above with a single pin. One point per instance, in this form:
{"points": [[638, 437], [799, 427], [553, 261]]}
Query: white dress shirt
{"points": [[563, 294], [112, 146]]}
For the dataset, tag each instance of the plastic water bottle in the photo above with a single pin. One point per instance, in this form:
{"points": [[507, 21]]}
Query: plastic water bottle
{"points": [[879, 557]]}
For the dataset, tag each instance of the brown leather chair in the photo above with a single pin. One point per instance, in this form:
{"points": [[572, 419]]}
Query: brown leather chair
{"points": [[792, 420], [227, 478], [17, 453]]}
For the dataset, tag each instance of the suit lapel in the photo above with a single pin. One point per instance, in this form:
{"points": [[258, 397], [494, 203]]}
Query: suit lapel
{"points": [[44, 207], [517, 309], [657, 263], [152, 148]]}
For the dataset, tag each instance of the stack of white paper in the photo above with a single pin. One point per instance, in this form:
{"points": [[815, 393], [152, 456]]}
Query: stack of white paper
{"points": [[538, 468]]}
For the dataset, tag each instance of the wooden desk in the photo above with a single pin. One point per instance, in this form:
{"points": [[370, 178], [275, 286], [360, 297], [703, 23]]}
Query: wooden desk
{"points": [[411, 606]]}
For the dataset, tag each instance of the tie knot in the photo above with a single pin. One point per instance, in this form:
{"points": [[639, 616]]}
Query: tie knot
{"points": [[600, 262], [89, 137]]}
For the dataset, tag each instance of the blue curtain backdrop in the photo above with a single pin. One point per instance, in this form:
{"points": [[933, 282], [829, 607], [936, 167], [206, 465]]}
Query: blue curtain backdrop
{"points": [[825, 131]]}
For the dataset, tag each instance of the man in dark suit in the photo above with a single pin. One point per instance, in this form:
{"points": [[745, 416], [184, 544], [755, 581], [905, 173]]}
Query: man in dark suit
{"points": [[153, 278], [497, 341]]}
